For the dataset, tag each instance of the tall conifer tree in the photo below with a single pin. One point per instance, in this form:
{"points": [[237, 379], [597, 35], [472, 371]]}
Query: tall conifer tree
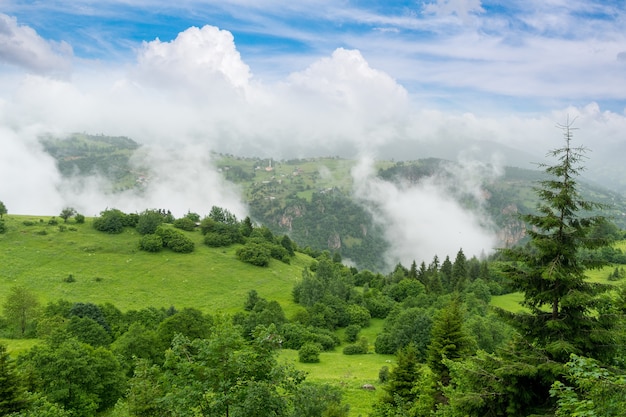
{"points": [[550, 273]]}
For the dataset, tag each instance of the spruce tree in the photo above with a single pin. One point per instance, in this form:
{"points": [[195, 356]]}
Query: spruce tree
{"points": [[12, 392], [550, 273]]}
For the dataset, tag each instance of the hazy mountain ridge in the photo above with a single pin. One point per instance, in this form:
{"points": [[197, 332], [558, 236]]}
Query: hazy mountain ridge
{"points": [[314, 199]]}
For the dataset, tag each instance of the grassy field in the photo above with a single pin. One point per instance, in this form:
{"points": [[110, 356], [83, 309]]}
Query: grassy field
{"points": [[110, 268], [348, 372]]}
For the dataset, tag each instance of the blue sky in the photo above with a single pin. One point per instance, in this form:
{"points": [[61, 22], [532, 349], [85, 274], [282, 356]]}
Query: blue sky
{"points": [[478, 81], [523, 55]]}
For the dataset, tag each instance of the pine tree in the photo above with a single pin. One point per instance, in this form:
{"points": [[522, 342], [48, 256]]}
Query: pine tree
{"points": [[448, 340], [459, 271], [550, 272], [402, 379], [12, 393]]}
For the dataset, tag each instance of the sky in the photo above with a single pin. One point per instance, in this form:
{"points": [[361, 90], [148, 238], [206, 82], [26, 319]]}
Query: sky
{"points": [[466, 80]]}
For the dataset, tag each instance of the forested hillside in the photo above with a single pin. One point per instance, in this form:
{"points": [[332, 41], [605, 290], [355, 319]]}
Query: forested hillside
{"points": [[312, 200]]}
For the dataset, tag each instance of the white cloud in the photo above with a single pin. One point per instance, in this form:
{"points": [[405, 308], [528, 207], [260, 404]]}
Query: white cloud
{"points": [[22, 46], [425, 219], [197, 57]]}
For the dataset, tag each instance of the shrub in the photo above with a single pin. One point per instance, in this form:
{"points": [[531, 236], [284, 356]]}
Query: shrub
{"points": [[383, 374], [151, 243], [185, 223], [175, 240], [3, 227], [29, 223], [110, 221], [80, 219], [62, 228], [181, 244], [352, 333], [69, 278], [53, 221], [255, 254], [309, 353], [353, 350], [216, 240], [359, 315], [360, 348], [148, 222]]}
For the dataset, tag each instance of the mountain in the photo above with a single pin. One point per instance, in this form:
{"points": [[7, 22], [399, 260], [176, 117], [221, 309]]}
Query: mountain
{"points": [[315, 201]]}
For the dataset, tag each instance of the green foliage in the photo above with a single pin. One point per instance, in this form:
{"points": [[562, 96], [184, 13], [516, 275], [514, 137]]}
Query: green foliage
{"points": [[352, 333], [81, 379], [66, 213], [411, 326], [255, 254], [315, 400], [12, 392], [87, 330], [3, 227], [189, 322], [448, 340], [137, 342], [550, 272], [185, 223], [309, 353], [80, 219], [151, 243], [220, 234], [148, 221], [110, 221], [175, 240], [220, 375], [3, 209], [20, 308], [594, 391], [399, 389], [360, 348]]}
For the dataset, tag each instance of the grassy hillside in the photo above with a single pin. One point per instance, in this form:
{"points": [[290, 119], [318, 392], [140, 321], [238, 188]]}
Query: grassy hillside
{"points": [[111, 268]]}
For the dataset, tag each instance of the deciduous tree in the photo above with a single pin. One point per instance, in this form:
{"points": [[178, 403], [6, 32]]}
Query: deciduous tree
{"points": [[20, 307]]}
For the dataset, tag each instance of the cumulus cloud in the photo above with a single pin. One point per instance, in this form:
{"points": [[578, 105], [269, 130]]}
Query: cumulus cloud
{"points": [[22, 46], [196, 58]]}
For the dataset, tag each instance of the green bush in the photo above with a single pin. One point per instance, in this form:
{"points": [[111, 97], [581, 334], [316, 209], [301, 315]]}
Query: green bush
{"points": [[151, 243], [175, 240], [148, 222], [29, 223], [110, 221], [255, 254], [309, 353], [181, 244], [216, 240], [3, 227], [80, 219], [53, 221], [185, 223], [354, 350], [352, 333]]}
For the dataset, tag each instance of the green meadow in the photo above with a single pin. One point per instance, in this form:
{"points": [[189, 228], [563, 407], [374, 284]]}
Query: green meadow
{"points": [[111, 269]]}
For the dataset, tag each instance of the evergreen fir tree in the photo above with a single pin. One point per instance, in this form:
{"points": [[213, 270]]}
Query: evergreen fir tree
{"points": [[448, 340], [12, 393], [549, 271], [459, 271], [402, 379]]}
